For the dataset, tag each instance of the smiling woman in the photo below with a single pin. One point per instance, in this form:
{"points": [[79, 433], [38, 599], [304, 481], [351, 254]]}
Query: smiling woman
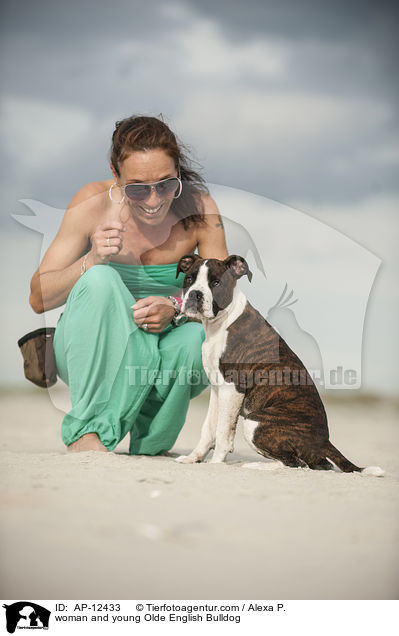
{"points": [[117, 251]]}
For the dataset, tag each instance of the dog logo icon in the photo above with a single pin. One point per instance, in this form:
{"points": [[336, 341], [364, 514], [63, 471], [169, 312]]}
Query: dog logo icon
{"points": [[26, 615], [332, 275]]}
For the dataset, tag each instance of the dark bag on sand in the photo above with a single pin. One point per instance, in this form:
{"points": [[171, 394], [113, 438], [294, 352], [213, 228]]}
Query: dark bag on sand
{"points": [[39, 359]]}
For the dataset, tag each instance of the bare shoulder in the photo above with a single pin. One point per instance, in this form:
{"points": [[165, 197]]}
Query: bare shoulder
{"points": [[212, 217], [89, 191], [211, 240], [89, 205]]}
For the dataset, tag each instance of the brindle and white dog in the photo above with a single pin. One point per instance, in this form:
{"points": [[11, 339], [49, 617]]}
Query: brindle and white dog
{"points": [[253, 373]]}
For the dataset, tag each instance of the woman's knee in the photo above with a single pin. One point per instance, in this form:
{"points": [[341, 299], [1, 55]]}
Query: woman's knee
{"points": [[193, 345], [99, 275], [99, 282]]}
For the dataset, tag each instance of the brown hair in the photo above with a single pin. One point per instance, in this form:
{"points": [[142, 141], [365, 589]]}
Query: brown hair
{"points": [[140, 132]]}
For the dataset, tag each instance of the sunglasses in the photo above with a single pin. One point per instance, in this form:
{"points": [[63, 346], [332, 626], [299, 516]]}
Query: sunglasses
{"points": [[165, 188]]}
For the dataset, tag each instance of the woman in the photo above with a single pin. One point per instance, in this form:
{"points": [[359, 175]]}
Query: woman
{"points": [[113, 262]]}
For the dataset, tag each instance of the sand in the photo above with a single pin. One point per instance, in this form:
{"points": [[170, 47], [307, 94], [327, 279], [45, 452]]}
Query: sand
{"points": [[113, 526]]}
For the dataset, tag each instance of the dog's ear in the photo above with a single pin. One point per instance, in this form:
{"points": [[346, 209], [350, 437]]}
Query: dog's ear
{"points": [[238, 266], [186, 262]]}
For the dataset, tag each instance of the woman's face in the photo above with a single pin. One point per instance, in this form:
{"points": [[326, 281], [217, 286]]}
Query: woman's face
{"points": [[148, 166]]}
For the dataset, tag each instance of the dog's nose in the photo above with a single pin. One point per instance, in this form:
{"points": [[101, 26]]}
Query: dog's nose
{"points": [[195, 294]]}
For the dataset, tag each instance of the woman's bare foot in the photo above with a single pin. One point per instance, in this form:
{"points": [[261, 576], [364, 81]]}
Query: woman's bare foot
{"points": [[88, 442]]}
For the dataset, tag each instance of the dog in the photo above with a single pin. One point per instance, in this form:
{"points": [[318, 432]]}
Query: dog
{"points": [[253, 373]]}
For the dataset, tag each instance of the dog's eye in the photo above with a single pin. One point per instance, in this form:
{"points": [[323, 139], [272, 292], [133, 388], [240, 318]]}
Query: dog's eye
{"points": [[188, 279], [215, 283]]}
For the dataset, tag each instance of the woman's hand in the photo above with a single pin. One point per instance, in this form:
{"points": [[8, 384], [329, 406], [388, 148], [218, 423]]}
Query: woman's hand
{"points": [[101, 248], [154, 311]]}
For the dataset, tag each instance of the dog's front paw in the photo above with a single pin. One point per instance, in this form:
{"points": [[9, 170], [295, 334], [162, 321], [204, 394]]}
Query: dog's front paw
{"points": [[218, 459], [187, 459]]}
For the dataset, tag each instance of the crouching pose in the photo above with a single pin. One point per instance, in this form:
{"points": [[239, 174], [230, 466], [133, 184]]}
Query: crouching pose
{"points": [[120, 343]]}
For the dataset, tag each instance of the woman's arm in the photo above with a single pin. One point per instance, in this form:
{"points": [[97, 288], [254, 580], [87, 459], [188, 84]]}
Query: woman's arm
{"points": [[62, 263], [211, 240]]}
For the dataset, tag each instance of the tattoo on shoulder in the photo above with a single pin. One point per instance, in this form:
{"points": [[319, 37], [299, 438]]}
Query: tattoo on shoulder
{"points": [[220, 224]]}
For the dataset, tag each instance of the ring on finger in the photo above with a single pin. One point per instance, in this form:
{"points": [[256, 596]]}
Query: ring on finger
{"points": [[107, 241], [144, 326]]}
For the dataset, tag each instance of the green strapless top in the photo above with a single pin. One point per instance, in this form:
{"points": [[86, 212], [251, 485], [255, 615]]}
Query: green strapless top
{"points": [[150, 280]]}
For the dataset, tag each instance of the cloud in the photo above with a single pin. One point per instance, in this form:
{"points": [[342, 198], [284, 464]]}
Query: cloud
{"points": [[274, 110], [36, 133], [293, 119], [285, 145], [338, 21], [206, 53], [372, 221]]}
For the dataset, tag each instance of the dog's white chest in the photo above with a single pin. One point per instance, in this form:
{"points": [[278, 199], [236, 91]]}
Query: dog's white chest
{"points": [[213, 348], [216, 334]]}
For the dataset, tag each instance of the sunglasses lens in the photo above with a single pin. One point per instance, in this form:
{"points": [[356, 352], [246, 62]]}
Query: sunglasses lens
{"points": [[137, 192], [167, 187]]}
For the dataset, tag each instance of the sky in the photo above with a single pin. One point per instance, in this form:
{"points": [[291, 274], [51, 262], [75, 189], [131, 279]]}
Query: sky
{"points": [[293, 101]]}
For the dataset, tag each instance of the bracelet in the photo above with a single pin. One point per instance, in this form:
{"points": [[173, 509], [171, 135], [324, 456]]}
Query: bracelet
{"points": [[178, 318], [83, 268], [176, 304]]}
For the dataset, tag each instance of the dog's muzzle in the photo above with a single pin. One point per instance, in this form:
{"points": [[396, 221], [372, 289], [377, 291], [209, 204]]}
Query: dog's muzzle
{"points": [[194, 301]]}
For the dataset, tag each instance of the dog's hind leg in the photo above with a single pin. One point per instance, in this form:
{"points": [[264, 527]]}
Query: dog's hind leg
{"points": [[290, 458], [271, 441], [322, 464]]}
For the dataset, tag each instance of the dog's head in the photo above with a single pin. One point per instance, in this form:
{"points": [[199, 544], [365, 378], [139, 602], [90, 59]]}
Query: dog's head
{"points": [[209, 284]]}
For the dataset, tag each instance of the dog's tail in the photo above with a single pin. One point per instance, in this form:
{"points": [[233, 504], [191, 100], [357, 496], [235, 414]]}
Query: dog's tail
{"points": [[346, 466]]}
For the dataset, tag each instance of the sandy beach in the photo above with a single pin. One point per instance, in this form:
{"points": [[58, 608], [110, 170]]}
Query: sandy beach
{"points": [[114, 526]]}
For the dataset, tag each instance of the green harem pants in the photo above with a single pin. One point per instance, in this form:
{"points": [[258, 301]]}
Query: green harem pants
{"points": [[121, 378]]}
